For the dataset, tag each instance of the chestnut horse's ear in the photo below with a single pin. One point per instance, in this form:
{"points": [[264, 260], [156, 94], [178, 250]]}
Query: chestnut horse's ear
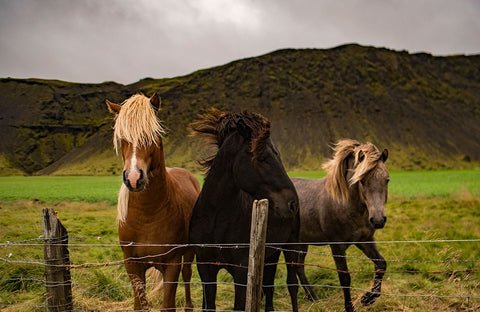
{"points": [[384, 155], [112, 107], [155, 101]]}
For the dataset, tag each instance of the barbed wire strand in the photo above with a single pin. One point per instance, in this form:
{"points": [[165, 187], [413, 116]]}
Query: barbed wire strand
{"points": [[236, 245]]}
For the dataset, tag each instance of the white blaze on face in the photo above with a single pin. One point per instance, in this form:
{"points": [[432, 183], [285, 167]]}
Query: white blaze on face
{"points": [[133, 161], [133, 172]]}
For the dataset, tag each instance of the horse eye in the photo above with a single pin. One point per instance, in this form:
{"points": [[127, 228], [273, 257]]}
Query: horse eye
{"points": [[362, 182], [261, 158]]}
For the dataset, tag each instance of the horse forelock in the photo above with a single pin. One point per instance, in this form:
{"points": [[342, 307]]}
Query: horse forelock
{"points": [[216, 126], [137, 123], [262, 133], [367, 157], [337, 168]]}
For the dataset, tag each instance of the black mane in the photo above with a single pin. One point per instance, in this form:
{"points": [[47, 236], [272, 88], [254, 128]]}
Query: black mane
{"points": [[216, 126]]}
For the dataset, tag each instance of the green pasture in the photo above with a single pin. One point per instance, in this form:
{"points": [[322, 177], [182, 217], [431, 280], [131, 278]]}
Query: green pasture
{"points": [[430, 242], [407, 184]]}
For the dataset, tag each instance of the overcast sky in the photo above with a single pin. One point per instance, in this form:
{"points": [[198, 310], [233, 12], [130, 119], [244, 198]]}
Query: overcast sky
{"points": [[127, 40]]}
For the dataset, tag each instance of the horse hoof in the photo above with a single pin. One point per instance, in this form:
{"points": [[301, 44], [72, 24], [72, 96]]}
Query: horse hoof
{"points": [[369, 298], [311, 297], [349, 308]]}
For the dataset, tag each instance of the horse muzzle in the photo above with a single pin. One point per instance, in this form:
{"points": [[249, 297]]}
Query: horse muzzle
{"points": [[378, 223], [134, 180], [284, 204]]}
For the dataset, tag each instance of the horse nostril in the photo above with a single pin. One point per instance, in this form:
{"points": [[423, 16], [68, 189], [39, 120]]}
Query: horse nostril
{"points": [[384, 220], [141, 175], [292, 205], [125, 181], [371, 221]]}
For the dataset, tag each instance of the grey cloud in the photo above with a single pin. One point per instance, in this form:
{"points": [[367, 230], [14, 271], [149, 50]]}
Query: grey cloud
{"points": [[126, 40]]}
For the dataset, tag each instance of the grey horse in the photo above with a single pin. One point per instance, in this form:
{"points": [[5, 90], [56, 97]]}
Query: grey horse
{"points": [[345, 208]]}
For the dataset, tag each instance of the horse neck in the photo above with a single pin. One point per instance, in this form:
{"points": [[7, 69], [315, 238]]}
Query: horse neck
{"points": [[356, 203], [220, 182]]}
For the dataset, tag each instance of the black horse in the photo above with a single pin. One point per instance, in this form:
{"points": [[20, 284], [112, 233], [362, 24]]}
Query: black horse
{"points": [[246, 166]]}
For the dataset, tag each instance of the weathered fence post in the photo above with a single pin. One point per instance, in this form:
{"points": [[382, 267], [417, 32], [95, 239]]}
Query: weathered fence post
{"points": [[256, 257], [57, 272]]}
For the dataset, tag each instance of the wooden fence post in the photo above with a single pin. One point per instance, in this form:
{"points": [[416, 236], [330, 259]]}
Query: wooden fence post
{"points": [[57, 272], [256, 256]]}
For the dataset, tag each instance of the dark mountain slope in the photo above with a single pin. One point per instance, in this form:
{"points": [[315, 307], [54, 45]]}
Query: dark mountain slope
{"points": [[425, 109]]}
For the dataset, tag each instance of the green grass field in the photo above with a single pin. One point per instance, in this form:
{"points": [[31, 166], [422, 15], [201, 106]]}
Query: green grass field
{"points": [[430, 242], [54, 189]]}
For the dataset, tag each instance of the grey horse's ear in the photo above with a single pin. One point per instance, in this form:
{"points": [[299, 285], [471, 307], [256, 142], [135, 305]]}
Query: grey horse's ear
{"points": [[155, 101], [361, 156], [384, 155], [112, 107]]}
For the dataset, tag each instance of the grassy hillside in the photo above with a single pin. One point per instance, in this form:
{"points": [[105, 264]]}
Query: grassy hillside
{"points": [[424, 109]]}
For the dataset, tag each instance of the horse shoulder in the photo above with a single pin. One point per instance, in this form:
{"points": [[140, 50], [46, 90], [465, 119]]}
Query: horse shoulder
{"points": [[185, 179], [185, 188]]}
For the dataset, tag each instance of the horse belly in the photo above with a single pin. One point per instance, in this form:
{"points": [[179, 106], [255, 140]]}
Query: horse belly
{"points": [[311, 227]]}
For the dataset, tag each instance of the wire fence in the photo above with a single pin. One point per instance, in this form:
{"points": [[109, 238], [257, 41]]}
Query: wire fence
{"points": [[432, 266]]}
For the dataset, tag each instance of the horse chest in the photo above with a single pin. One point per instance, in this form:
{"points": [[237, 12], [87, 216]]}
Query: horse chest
{"points": [[152, 228]]}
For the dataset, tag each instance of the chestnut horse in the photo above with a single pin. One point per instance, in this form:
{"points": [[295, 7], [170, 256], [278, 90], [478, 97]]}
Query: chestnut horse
{"points": [[246, 166], [344, 208], [154, 204]]}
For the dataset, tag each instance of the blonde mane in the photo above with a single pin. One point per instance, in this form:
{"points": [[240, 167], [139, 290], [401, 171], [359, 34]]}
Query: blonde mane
{"points": [[122, 204], [137, 123], [365, 158]]}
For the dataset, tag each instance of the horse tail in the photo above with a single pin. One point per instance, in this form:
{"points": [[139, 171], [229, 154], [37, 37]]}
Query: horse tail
{"points": [[156, 279]]}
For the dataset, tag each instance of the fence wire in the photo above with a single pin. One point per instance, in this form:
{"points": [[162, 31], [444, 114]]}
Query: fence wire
{"points": [[100, 242]]}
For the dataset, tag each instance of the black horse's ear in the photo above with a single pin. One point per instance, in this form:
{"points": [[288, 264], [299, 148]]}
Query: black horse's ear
{"points": [[112, 107], [384, 155], [244, 131], [155, 101]]}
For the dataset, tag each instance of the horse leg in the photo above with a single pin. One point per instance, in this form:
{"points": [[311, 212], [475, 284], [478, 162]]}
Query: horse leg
{"points": [[136, 273], [187, 276], [371, 251], [269, 279], [208, 275], [170, 276], [240, 280], [338, 252], [300, 269], [291, 258]]}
